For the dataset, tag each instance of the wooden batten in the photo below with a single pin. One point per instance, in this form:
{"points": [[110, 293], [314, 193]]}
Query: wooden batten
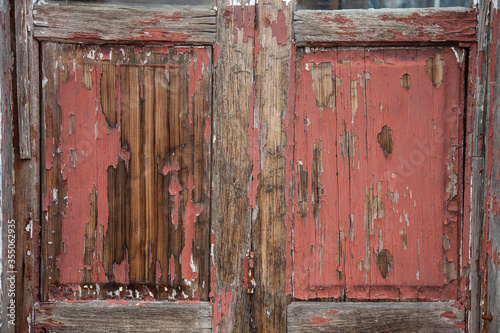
{"points": [[387, 26], [123, 316], [85, 24], [374, 317]]}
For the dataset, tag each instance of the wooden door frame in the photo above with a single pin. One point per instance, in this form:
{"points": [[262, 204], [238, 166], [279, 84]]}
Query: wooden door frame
{"points": [[241, 60]]}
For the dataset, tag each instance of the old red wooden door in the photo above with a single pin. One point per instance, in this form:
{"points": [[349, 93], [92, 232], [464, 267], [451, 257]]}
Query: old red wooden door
{"points": [[375, 189]]}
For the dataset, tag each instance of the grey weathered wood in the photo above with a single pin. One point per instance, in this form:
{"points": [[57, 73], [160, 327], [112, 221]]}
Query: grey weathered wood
{"points": [[85, 24], [479, 163], [374, 317], [6, 152], [384, 26], [122, 316], [27, 73]]}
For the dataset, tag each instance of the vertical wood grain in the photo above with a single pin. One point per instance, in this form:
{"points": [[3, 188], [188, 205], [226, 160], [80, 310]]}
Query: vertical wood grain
{"points": [[269, 238], [142, 185], [7, 152], [233, 200], [387, 225]]}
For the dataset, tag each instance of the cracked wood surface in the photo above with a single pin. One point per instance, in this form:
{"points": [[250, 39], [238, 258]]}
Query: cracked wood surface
{"points": [[123, 316], [126, 186], [162, 24], [384, 26], [436, 317], [378, 212]]}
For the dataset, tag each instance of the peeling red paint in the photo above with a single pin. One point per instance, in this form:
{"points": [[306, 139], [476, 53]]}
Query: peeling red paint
{"points": [[190, 215], [158, 34], [174, 190], [221, 307], [288, 125], [117, 302], [401, 192], [97, 147], [216, 51], [280, 29], [449, 315], [174, 166]]}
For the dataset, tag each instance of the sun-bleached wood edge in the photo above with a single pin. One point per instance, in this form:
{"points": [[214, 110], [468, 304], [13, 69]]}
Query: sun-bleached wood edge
{"points": [[104, 24], [375, 317], [388, 26], [123, 316]]}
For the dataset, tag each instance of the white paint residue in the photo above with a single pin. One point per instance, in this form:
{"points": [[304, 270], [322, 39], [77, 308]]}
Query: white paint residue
{"points": [[44, 82], [238, 3], [459, 54], [54, 194], [193, 266]]}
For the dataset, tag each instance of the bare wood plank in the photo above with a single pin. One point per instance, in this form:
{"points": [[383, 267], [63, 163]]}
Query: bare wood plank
{"points": [[26, 199], [479, 165], [232, 165], [123, 316], [332, 317], [85, 24], [27, 73], [384, 26], [6, 158], [272, 93], [486, 234]]}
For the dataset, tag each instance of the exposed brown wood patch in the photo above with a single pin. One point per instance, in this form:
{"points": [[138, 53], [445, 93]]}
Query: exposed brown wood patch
{"points": [[123, 316], [324, 84], [375, 317], [405, 81], [147, 178], [385, 262], [302, 186], [316, 187], [347, 142], [435, 69], [108, 92], [384, 139]]}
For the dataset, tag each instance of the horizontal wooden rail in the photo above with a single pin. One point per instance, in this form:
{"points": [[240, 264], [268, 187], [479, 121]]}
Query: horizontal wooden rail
{"points": [[441, 317], [391, 26], [123, 316], [114, 24]]}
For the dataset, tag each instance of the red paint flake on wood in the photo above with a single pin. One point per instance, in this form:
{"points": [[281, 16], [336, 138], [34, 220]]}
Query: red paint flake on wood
{"points": [[341, 19], [221, 307], [158, 34], [192, 211], [117, 302], [174, 166], [121, 271], [288, 126], [279, 28], [97, 147], [449, 315], [319, 321], [243, 21], [174, 190]]}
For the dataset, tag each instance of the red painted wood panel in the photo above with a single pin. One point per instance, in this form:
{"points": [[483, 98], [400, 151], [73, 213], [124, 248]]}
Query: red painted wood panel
{"points": [[377, 156], [126, 179]]}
